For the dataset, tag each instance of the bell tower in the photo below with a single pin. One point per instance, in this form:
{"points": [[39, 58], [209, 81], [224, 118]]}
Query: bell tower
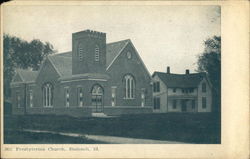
{"points": [[88, 52]]}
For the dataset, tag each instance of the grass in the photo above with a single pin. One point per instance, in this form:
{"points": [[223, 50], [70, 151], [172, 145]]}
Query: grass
{"points": [[21, 137], [183, 127]]}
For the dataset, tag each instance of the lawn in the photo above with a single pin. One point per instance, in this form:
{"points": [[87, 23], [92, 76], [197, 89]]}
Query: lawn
{"points": [[182, 127], [21, 137]]}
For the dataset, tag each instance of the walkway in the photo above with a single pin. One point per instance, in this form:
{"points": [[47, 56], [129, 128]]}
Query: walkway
{"points": [[108, 139]]}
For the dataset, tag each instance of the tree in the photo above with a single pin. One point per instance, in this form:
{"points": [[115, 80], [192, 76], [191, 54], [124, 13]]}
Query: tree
{"points": [[210, 61], [19, 53]]}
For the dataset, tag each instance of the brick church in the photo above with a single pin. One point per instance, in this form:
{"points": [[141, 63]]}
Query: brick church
{"points": [[95, 77]]}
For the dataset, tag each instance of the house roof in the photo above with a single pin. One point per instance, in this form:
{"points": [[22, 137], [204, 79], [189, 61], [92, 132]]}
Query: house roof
{"points": [[63, 61], [181, 80], [27, 75]]}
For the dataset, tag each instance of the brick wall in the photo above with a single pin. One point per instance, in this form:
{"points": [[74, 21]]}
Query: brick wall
{"points": [[123, 66]]}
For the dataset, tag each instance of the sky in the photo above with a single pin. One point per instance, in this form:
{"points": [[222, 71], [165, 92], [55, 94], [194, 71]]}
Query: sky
{"points": [[163, 35]]}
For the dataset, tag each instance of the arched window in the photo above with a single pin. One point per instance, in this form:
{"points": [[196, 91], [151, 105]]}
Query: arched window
{"points": [[97, 53], [80, 51], [48, 95], [129, 87]]}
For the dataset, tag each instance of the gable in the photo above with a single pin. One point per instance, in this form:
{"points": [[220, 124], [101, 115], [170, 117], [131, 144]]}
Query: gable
{"points": [[24, 75], [113, 50], [47, 71], [62, 64], [135, 66], [207, 81], [134, 63], [17, 78]]}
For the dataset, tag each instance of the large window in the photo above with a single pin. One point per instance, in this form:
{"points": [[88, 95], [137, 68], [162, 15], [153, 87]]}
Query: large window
{"points": [[80, 96], [31, 98], [113, 95], [157, 102], [156, 87], [143, 97], [129, 87], [204, 102], [203, 87], [97, 53], [48, 95], [18, 99], [80, 51], [66, 93]]}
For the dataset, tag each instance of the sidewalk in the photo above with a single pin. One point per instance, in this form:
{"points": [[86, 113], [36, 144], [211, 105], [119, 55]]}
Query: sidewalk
{"points": [[108, 139]]}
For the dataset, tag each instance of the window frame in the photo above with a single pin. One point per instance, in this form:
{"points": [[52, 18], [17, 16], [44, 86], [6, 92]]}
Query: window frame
{"points": [[204, 102], [67, 96], [18, 99], [130, 86], [157, 103], [80, 51], [47, 95], [97, 53], [31, 98], [80, 96], [204, 87], [113, 96], [174, 104]]}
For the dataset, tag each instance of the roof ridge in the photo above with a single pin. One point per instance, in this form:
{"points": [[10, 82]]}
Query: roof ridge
{"points": [[180, 74], [60, 53], [21, 69], [118, 41]]}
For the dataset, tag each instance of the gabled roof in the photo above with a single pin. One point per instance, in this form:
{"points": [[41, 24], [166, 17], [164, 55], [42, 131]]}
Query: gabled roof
{"points": [[181, 80], [113, 50], [27, 75], [63, 61]]}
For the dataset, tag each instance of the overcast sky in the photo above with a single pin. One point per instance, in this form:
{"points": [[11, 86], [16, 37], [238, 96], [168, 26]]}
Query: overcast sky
{"points": [[163, 35]]}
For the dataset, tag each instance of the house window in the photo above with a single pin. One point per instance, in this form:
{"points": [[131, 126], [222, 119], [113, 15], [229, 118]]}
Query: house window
{"points": [[193, 104], [47, 95], [203, 87], [66, 96], [18, 100], [204, 102], [80, 51], [157, 102], [156, 86], [174, 104], [191, 90], [129, 87], [97, 53], [31, 98], [113, 96], [174, 90], [80, 96], [143, 97]]}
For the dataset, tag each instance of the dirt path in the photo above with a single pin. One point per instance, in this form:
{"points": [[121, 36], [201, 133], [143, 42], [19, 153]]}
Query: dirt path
{"points": [[108, 139]]}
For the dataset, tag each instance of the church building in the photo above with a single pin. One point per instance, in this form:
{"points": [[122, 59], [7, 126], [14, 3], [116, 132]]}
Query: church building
{"points": [[94, 78]]}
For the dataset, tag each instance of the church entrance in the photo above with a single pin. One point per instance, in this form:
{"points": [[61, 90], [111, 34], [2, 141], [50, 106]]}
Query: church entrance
{"points": [[97, 98]]}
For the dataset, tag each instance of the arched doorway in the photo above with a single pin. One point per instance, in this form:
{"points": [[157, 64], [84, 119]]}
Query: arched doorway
{"points": [[97, 98]]}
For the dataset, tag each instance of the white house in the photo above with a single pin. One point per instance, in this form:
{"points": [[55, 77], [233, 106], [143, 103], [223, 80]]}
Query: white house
{"points": [[189, 92]]}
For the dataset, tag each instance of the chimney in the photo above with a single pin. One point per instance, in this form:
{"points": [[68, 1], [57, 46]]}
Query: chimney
{"points": [[187, 71], [168, 70]]}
